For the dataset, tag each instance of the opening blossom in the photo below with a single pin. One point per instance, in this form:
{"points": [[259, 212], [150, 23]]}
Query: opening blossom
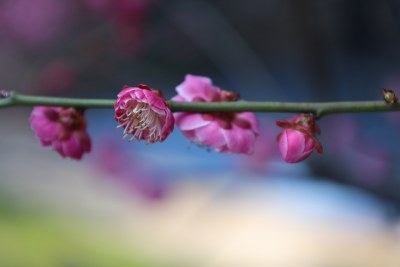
{"points": [[62, 128], [144, 114], [226, 132], [298, 141]]}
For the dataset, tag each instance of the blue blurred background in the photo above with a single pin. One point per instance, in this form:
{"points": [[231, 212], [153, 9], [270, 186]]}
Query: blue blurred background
{"points": [[177, 204]]}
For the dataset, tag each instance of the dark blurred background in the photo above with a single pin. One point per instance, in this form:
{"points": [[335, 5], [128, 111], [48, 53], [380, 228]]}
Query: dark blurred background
{"points": [[283, 50]]}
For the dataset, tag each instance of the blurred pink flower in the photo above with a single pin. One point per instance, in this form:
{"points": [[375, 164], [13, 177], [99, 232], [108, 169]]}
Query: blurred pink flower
{"points": [[62, 128], [113, 159], [363, 159], [144, 114], [34, 22], [265, 149], [226, 132], [298, 141], [128, 18]]}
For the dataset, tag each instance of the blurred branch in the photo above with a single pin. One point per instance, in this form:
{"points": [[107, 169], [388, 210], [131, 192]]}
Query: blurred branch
{"points": [[319, 109]]}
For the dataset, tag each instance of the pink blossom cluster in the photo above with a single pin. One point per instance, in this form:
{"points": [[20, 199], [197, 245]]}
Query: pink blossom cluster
{"points": [[144, 115]]}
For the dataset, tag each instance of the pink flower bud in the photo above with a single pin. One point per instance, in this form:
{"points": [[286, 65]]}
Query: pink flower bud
{"points": [[298, 141], [144, 114], [226, 132], [62, 128], [295, 146]]}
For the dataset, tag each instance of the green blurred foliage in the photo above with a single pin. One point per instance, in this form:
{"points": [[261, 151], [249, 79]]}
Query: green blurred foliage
{"points": [[28, 239]]}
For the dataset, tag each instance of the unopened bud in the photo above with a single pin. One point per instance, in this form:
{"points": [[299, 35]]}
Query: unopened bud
{"points": [[298, 141], [389, 96]]}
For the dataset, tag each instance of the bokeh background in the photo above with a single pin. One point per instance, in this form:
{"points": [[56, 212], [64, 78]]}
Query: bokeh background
{"points": [[177, 204]]}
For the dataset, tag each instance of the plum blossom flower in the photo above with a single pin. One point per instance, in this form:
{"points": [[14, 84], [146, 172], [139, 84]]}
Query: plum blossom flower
{"points": [[298, 141], [144, 114], [62, 128], [226, 132]]}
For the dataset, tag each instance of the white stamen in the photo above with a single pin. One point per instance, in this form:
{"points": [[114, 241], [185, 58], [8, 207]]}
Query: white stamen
{"points": [[141, 122]]}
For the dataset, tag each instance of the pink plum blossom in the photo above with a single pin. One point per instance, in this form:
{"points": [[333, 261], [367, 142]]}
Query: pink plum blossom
{"points": [[144, 114], [62, 128], [226, 132], [298, 141]]}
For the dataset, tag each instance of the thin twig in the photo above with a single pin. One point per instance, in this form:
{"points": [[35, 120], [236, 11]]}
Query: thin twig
{"points": [[319, 109]]}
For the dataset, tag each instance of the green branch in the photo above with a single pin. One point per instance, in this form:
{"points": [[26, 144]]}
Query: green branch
{"points": [[318, 108]]}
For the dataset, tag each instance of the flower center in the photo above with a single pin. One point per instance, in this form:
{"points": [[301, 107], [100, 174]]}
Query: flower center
{"points": [[141, 122]]}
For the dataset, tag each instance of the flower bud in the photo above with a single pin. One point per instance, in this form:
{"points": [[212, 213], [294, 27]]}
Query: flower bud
{"points": [[389, 96], [295, 146], [298, 141]]}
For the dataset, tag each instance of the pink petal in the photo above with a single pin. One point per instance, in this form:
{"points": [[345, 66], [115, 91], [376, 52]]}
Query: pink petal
{"points": [[125, 90], [211, 135], [44, 129], [239, 140], [197, 87], [169, 124], [191, 135], [76, 146], [48, 132], [157, 103], [58, 146], [178, 98], [73, 148], [292, 145], [189, 121], [251, 118]]}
